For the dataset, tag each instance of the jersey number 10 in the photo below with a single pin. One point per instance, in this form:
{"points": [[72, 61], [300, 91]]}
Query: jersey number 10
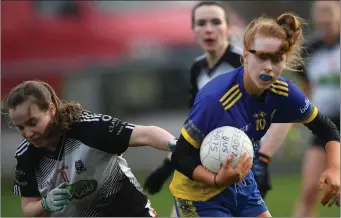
{"points": [[260, 124]]}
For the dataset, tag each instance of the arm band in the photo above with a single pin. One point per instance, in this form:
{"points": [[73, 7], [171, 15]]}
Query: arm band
{"points": [[324, 128], [185, 157]]}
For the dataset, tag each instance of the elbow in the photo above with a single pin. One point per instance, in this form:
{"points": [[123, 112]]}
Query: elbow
{"points": [[185, 158], [179, 164], [176, 160]]}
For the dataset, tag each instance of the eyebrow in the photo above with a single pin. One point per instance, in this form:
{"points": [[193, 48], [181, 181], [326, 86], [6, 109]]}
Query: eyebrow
{"points": [[210, 19], [28, 121], [265, 53]]}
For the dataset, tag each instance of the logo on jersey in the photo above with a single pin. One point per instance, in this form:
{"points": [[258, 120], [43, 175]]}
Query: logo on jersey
{"points": [[47, 184], [260, 201], [62, 172], [256, 145], [246, 127], [19, 174], [184, 205], [82, 189], [306, 106], [79, 166]]}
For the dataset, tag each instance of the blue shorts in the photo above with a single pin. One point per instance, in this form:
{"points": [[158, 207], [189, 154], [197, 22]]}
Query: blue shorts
{"points": [[239, 200]]}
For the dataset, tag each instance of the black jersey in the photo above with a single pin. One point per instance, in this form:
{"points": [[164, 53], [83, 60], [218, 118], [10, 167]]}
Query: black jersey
{"points": [[202, 74], [89, 159]]}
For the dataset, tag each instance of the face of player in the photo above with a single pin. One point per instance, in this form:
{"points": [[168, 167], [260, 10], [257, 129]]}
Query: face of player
{"points": [[210, 28], [32, 122], [262, 64], [326, 15]]}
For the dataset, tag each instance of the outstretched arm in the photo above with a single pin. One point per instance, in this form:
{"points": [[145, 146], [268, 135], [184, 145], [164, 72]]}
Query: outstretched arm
{"points": [[153, 136]]}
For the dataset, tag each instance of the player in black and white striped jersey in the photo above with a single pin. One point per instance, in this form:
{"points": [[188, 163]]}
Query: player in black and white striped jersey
{"points": [[70, 163]]}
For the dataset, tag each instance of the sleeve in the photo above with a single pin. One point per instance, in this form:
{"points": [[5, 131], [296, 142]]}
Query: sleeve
{"points": [[25, 183], [102, 132], [204, 116], [324, 129], [294, 107]]}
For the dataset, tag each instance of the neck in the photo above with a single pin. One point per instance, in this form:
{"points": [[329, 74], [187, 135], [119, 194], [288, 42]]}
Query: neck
{"points": [[249, 86], [213, 58], [52, 144]]}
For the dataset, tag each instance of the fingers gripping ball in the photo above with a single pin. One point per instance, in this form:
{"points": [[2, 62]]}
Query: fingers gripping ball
{"points": [[222, 142]]}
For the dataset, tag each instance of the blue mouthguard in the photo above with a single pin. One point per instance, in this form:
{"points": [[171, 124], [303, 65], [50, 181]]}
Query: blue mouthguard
{"points": [[265, 77]]}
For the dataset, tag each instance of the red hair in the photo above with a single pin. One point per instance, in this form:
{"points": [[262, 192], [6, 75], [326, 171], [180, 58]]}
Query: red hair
{"points": [[286, 28]]}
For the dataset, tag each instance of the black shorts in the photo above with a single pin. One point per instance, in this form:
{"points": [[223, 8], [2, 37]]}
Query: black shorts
{"points": [[317, 141], [129, 202]]}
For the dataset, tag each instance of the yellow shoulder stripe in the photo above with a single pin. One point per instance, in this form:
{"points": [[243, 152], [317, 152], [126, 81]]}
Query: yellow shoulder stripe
{"points": [[282, 83], [281, 88], [229, 92], [312, 116], [279, 92], [189, 139], [231, 97], [234, 101]]}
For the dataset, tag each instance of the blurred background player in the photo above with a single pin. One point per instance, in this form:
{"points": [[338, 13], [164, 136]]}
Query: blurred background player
{"points": [[322, 74], [69, 162]]}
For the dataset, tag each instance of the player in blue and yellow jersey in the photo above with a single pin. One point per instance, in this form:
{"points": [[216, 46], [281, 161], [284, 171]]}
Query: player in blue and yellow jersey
{"points": [[250, 98]]}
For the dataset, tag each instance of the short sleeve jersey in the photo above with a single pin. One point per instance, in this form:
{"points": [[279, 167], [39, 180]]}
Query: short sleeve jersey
{"points": [[224, 102], [89, 159]]}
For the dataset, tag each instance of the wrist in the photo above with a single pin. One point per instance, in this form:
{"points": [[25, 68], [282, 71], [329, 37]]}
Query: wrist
{"points": [[215, 181], [44, 204], [333, 154], [263, 157], [172, 143]]}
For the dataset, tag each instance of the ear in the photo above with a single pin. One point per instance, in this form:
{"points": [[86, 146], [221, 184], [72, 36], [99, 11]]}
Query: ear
{"points": [[52, 109], [245, 55]]}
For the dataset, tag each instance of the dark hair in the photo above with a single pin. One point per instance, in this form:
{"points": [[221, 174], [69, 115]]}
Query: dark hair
{"points": [[207, 3], [42, 94], [286, 27]]}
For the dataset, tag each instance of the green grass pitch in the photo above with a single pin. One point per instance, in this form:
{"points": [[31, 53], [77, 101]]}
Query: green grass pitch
{"points": [[280, 200]]}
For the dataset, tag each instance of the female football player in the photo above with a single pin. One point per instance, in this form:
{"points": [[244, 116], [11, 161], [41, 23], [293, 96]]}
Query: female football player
{"points": [[211, 28], [70, 163], [249, 98]]}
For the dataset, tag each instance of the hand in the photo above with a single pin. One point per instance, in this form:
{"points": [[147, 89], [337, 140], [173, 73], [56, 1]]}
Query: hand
{"points": [[228, 175], [158, 177], [261, 172], [57, 198], [331, 178]]}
